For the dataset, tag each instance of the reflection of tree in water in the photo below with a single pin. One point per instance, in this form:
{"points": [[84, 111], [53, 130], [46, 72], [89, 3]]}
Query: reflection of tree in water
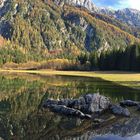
{"points": [[74, 87], [21, 98]]}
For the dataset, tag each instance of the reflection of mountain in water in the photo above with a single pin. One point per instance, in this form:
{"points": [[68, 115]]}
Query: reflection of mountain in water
{"points": [[22, 118]]}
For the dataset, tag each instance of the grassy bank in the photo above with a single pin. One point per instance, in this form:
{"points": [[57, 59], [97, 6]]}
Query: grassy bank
{"points": [[130, 79], [110, 76]]}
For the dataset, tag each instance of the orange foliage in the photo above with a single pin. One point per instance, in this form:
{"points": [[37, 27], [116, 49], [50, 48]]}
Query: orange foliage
{"points": [[2, 41], [55, 51]]}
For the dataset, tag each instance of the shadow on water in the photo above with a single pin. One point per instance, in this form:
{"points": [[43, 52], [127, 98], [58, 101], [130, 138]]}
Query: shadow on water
{"points": [[22, 118]]}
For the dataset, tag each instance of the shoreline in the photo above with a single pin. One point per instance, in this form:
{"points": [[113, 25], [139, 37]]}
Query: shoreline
{"points": [[113, 76]]}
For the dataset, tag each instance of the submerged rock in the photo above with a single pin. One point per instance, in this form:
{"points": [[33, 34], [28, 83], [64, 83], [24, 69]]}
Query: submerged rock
{"points": [[129, 103], [118, 110]]}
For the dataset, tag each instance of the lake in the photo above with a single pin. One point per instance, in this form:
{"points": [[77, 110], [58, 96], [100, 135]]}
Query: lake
{"points": [[22, 117]]}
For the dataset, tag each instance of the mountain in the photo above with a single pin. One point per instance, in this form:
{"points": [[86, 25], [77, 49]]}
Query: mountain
{"points": [[38, 30], [4, 7], [84, 3], [126, 19], [129, 16]]}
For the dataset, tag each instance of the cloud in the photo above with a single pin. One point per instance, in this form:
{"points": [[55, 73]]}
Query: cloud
{"points": [[118, 4], [131, 3]]}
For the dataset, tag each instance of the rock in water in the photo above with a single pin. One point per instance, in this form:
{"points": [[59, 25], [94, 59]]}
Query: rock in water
{"points": [[118, 110], [138, 107], [96, 102], [69, 111], [128, 103], [87, 104]]}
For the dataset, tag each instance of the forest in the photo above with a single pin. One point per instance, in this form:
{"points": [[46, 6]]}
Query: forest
{"points": [[116, 59]]}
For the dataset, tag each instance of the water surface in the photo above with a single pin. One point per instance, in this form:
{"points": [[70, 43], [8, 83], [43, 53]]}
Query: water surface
{"points": [[22, 117]]}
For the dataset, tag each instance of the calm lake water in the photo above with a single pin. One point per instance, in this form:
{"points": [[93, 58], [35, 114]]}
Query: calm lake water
{"points": [[22, 118]]}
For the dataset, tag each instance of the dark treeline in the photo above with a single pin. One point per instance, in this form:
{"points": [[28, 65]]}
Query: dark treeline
{"points": [[115, 59]]}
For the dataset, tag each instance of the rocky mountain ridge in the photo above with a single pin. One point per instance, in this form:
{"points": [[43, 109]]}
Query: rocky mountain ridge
{"points": [[84, 3], [129, 16]]}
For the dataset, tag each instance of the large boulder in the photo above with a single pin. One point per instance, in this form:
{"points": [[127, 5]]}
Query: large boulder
{"points": [[96, 102]]}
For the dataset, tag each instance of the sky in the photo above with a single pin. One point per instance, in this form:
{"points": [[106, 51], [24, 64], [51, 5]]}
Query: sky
{"points": [[118, 4]]}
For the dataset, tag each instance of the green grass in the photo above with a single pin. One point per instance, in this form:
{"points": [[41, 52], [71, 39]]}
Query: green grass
{"points": [[110, 76]]}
